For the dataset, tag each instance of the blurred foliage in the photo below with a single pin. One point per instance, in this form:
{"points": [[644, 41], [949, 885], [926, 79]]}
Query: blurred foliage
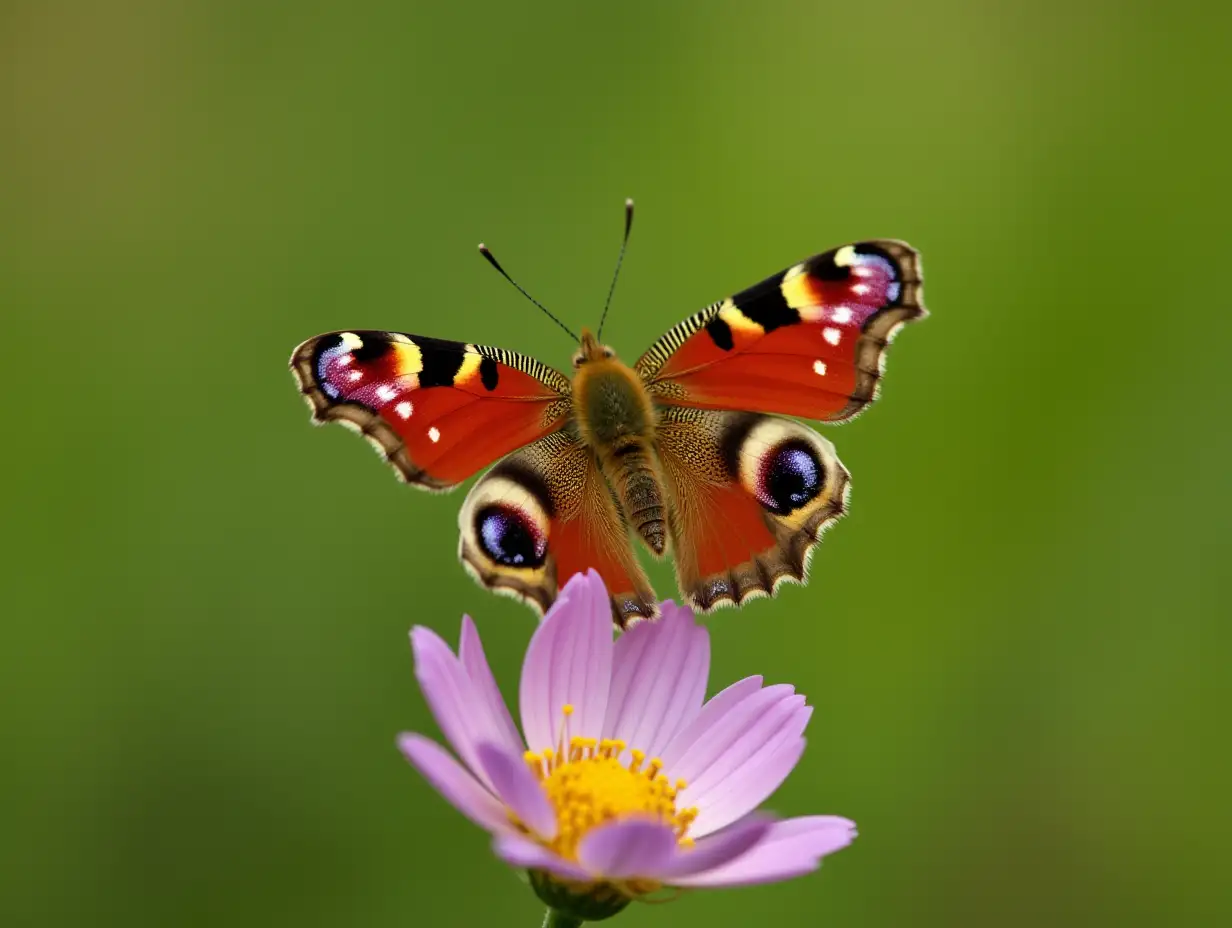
{"points": [[1014, 642]]}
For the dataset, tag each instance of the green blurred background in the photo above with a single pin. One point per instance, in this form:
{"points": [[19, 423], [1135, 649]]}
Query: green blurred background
{"points": [[1014, 642]]}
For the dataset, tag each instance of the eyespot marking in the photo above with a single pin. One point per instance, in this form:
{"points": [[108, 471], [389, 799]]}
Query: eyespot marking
{"points": [[509, 536], [790, 476]]}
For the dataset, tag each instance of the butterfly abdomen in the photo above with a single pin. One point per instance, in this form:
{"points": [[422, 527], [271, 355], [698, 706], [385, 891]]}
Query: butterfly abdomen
{"points": [[616, 419], [633, 470]]}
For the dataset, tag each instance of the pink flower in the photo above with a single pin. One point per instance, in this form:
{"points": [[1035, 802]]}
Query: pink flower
{"points": [[630, 782]]}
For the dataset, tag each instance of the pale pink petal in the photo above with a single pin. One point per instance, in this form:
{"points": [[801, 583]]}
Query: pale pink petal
{"points": [[723, 731], [746, 789], [455, 783], [717, 849], [791, 848], [740, 763], [713, 711], [534, 704], [519, 789], [627, 848], [452, 698], [475, 663], [525, 854], [569, 662], [659, 672]]}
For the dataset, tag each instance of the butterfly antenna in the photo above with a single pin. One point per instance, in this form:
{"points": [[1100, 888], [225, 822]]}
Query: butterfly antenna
{"points": [[619, 261], [483, 250]]}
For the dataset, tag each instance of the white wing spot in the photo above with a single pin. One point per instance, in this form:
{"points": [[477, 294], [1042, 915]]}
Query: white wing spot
{"points": [[819, 367], [404, 409], [833, 336], [842, 315], [859, 289], [347, 360], [355, 375], [385, 393], [435, 434]]}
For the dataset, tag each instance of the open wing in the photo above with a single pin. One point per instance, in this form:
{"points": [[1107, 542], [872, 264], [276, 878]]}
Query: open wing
{"points": [[437, 411], [543, 514], [750, 496], [807, 342]]}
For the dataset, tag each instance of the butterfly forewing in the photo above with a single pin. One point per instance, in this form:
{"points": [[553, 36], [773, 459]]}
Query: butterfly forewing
{"points": [[807, 342], [438, 411]]}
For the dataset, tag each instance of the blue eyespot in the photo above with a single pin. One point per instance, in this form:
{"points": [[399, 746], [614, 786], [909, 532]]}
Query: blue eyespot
{"points": [[791, 476], [509, 537]]}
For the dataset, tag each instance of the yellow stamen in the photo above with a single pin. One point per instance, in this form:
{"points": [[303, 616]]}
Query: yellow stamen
{"points": [[588, 786]]}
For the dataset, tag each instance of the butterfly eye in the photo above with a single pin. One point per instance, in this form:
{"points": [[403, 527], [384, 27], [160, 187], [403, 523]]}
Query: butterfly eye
{"points": [[509, 537], [790, 476]]}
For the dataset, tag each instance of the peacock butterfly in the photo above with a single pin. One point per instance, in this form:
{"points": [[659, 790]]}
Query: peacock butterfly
{"points": [[681, 448]]}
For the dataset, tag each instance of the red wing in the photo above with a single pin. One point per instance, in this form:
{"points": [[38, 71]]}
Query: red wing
{"points": [[725, 527], [438, 411], [751, 495], [543, 514], [808, 342]]}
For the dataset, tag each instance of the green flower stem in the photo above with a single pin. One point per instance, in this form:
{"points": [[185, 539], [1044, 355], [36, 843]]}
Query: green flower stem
{"points": [[554, 919]]}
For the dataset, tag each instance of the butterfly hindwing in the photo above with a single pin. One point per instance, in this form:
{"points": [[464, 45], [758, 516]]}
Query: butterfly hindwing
{"points": [[807, 342], [438, 411], [543, 514], [750, 496]]}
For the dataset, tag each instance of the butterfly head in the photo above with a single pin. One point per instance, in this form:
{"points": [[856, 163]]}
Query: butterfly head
{"points": [[591, 350]]}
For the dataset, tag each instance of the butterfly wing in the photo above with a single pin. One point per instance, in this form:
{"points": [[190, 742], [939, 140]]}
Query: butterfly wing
{"points": [[543, 514], [808, 342], [437, 411], [750, 496]]}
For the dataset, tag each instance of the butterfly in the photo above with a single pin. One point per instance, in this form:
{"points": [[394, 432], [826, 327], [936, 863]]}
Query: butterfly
{"points": [[689, 449]]}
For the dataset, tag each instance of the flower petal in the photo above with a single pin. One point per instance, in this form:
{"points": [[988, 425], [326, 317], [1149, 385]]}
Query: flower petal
{"points": [[712, 712], [569, 662], [475, 663], [525, 854], [747, 788], [627, 848], [749, 762], [724, 730], [718, 849], [518, 788], [791, 848], [659, 672], [455, 783], [452, 697]]}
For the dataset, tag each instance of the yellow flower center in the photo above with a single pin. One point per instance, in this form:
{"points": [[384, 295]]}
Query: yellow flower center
{"points": [[588, 785]]}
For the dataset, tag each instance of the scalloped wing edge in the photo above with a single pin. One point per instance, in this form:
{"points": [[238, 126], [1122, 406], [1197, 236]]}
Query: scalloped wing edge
{"points": [[360, 420], [788, 562]]}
